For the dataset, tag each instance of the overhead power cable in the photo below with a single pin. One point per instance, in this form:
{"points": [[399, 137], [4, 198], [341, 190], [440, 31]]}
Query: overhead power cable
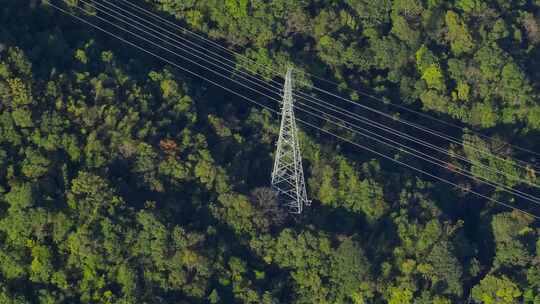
{"points": [[272, 110], [227, 67], [410, 138], [162, 20], [415, 153], [521, 164], [417, 169], [498, 185], [165, 60], [279, 73]]}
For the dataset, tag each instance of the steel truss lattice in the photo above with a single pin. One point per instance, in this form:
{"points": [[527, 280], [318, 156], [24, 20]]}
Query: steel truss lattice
{"points": [[288, 175]]}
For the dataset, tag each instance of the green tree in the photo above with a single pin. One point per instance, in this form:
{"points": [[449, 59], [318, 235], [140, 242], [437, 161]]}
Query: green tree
{"points": [[493, 289], [349, 269], [509, 229], [458, 34], [21, 196]]}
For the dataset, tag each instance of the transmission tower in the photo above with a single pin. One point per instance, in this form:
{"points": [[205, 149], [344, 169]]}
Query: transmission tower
{"points": [[288, 175]]}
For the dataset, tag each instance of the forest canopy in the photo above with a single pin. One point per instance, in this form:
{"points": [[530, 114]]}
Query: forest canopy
{"points": [[124, 179]]}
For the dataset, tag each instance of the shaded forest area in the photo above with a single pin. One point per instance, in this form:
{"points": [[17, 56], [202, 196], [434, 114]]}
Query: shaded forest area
{"points": [[123, 180]]}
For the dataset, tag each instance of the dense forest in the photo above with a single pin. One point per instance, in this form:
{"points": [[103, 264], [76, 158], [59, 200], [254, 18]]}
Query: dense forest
{"points": [[126, 180]]}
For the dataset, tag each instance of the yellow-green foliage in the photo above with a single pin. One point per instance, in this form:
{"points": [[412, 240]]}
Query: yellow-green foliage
{"points": [[463, 91], [460, 39], [124, 181], [20, 93], [434, 78], [496, 290], [237, 8]]}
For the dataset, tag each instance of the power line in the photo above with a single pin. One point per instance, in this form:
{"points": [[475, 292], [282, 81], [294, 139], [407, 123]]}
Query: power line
{"points": [[417, 169], [414, 125], [172, 52], [425, 157], [158, 56], [425, 129], [431, 117], [272, 110], [279, 74], [515, 192], [161, 31], [333, 108], [421, 142], [200, 37]]}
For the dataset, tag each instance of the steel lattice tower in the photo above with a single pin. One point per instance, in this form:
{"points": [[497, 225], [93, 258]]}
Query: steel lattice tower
{"points": [[288, 175]]}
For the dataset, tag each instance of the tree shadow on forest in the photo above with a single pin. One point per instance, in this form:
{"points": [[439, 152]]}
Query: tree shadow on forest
{"points": [[200, 219], [377, 238], [334, 220]]}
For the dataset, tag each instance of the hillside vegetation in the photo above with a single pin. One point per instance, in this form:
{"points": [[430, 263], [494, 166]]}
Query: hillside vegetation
{"points": [[124, 180]]}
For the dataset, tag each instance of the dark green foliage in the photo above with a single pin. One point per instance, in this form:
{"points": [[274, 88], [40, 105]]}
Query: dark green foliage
{"points": [[125, 181]]}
